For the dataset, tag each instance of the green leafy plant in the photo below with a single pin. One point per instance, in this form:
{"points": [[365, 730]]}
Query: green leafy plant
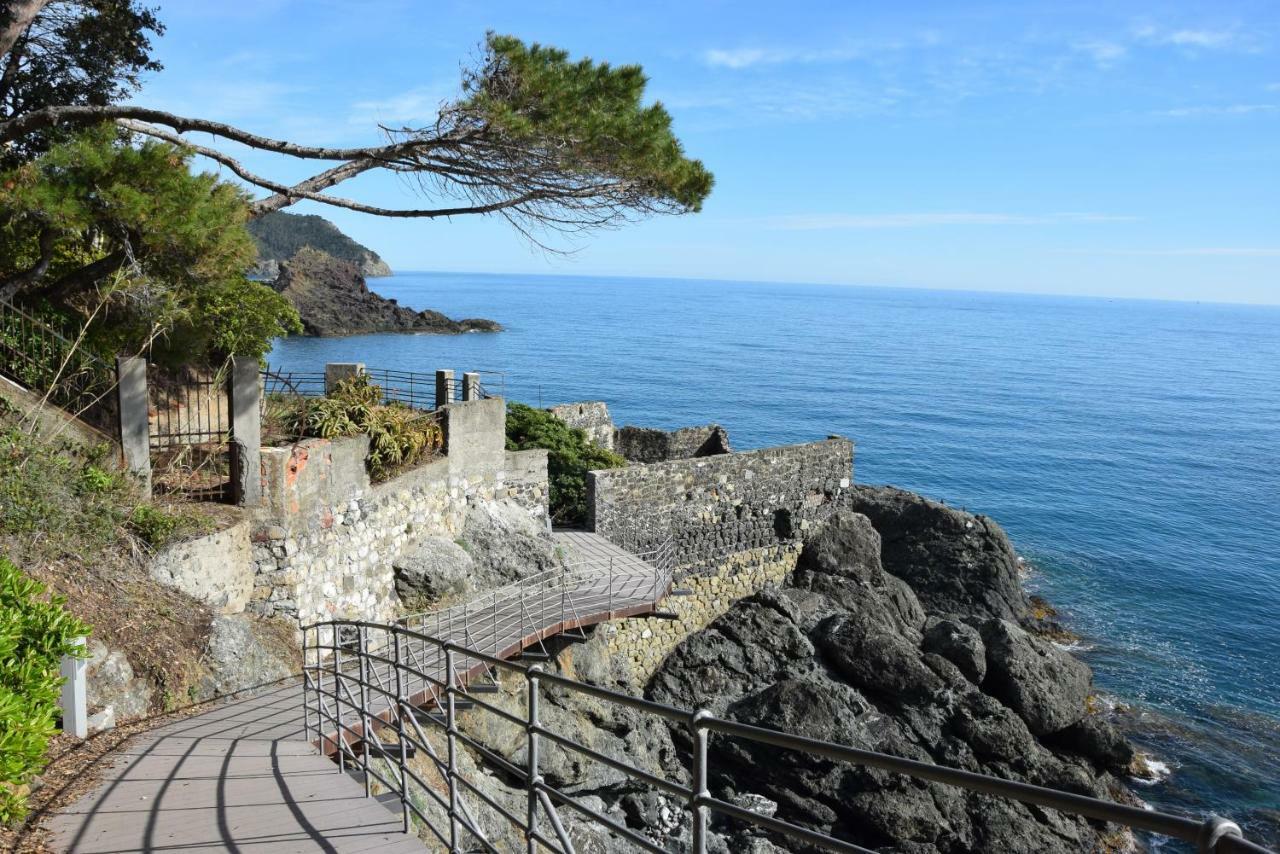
{"points": [[570, 455], [35, 633], [158, 527], [399, 436]]}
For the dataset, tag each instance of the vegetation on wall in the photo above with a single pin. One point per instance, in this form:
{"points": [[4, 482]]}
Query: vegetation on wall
{"points": [[570, 455], [399, 436], [35, 633]]}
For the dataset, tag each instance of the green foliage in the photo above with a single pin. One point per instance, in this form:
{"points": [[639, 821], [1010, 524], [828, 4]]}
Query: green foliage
{"points": [[399, 436], [584, 117], [87, 53], [35, 632], [570, 456], [95, 202], [280, 235]]}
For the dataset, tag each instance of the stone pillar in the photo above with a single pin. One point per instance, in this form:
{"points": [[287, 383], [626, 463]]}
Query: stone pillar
{"points": [[134, 405], [336, 372], [246, 432], [75, 712], [470, 386], [444, 388]]}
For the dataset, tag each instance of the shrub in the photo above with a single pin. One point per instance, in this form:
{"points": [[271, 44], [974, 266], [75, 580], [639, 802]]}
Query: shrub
{"points": [[399, 436], [570, 455], [35, 632]]}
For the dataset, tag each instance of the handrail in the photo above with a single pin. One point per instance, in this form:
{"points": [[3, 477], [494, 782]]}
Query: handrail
{"points": [[325, 681]]}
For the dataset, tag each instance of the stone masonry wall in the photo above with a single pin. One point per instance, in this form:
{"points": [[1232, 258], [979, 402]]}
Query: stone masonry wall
{"points": [[640, 644], [590, 416], [647, 445], [328, 538], [714, 506]]}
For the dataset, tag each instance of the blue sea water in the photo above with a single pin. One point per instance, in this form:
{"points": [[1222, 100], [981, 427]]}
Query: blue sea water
{"points": [[1130, 448]]}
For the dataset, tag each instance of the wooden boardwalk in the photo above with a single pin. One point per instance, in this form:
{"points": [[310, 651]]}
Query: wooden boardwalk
{"points": [[239, 777], [243, 776]]}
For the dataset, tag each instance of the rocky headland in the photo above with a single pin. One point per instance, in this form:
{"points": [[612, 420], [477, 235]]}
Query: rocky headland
{"points": [[332, 298], [280, 235], [903, 629]]}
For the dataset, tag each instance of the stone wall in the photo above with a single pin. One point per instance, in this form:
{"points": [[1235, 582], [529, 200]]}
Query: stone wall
{"points": [[592, 417], [329, 537], [713, 506], [217, 569], [639, 645], [647, 445]]}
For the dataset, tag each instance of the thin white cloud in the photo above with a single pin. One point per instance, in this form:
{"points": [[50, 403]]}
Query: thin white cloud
{"points": [[1272, 87], [1217, 110], [1211, 251], [1104, 53], [843, 221], [416, 106], [1203, 39]]}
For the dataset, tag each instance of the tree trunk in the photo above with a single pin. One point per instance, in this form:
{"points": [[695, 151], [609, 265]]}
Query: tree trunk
{"points": [[21, 14]]}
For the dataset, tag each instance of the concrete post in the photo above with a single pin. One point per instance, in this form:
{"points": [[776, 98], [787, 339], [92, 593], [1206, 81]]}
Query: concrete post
{"points": [[246, 432], [470, 386], [336, 372], [134, 405], [75, 712], [444, 388]]}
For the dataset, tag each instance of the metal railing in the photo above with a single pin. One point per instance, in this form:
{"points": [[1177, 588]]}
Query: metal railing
{"points": [[363, 692], [54, 363], [414, 389]]}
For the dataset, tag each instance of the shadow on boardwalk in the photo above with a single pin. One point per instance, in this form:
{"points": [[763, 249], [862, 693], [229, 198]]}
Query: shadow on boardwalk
{"points": [[238, 777]]}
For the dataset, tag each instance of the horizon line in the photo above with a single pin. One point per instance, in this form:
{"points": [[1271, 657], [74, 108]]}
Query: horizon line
{"points": [[902, 287]]}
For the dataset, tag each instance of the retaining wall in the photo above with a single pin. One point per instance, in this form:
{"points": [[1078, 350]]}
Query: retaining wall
{"points": [[331, 538], [714, 506]]}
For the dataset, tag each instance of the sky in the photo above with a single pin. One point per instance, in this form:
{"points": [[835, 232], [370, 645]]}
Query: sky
{"points": [[1121, 149]]}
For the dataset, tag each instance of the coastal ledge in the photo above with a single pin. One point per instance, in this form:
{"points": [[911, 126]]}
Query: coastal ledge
{"points": [[332, 298]]}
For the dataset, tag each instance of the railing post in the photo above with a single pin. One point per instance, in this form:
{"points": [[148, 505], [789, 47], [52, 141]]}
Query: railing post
{"points": [[470, 385], [697, 803], [444, 388], [450, 717], [366, 731], [133, 404], [534, 779], [306, 708], [1214, 830], [494, 651], [317, 676], [337, 701], [610, 587], [402, 703], [246, 432], [75, 718]]}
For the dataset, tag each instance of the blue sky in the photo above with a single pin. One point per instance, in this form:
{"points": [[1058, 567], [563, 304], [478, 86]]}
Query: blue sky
{"points": [[1117, 149]]}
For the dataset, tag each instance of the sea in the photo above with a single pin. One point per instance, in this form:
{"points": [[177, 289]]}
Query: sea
{"points": [[1131, 449]]}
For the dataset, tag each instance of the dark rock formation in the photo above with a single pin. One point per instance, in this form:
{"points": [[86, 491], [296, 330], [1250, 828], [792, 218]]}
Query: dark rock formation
{"points": [[956, 562], [333, 299], [895, 633]]}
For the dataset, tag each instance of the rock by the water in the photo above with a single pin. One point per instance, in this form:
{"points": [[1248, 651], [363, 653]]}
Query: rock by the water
{"points": [[332, 298], [957, 562], [920, 666]]}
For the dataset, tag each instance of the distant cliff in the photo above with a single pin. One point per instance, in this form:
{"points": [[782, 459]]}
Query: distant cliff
{"points": [[280, 235], [331, 296]]}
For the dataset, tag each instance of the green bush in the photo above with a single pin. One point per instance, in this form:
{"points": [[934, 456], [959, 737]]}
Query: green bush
{"points": [[398, 435], [570, 455], [35, 632]]}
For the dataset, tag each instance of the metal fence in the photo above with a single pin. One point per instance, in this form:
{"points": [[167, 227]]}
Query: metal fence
{"points": [[190, 435], [51, 361], [365, 682], [414, 389]]}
